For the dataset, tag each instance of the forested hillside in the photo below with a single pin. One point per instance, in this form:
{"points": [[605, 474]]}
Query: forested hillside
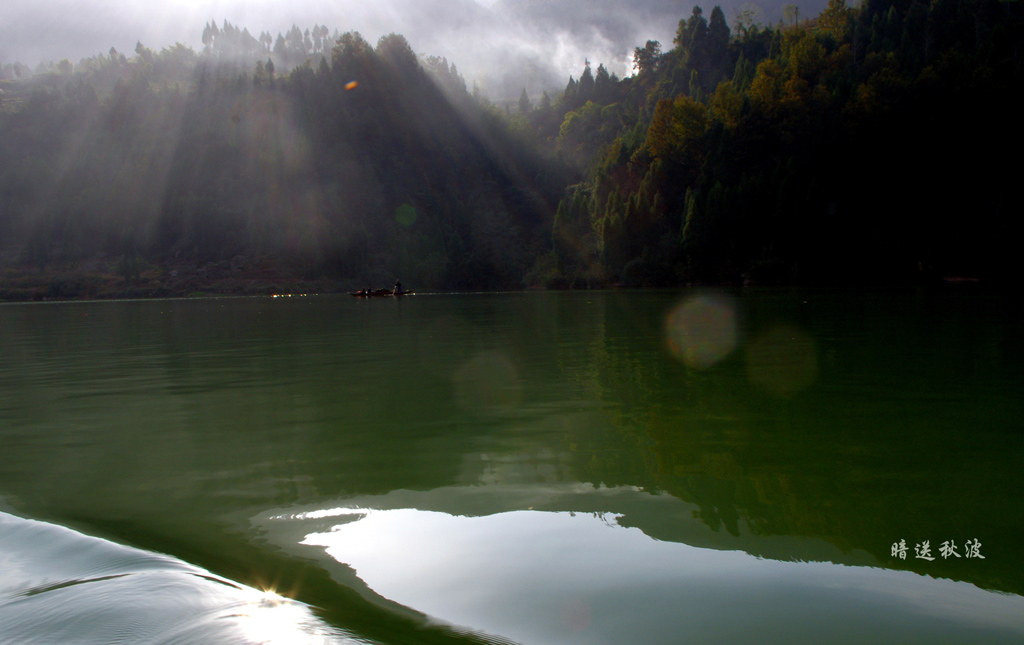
{"points": [[370, 165], [864, 145]]}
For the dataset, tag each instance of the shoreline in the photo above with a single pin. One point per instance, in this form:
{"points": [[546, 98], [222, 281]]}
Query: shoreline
{"points": [[26, 285], [99, 282]]}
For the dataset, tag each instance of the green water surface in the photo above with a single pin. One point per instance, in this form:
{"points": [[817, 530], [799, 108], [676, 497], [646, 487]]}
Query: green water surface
{"points": [[581, 467]]}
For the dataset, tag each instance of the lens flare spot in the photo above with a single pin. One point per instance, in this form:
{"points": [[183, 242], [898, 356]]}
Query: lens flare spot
{"points": [[405, 215], [702, 330], [488, 382], [782, 361], [351, 85], [576, 614]]}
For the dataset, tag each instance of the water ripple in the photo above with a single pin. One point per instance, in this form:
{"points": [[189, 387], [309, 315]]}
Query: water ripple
{"points": [[59, 586]]}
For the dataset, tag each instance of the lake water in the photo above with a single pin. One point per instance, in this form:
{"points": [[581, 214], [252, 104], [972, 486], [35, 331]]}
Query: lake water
{"points": [[581, 467]]}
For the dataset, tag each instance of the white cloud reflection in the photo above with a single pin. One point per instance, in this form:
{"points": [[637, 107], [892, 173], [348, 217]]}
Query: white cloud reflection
{"points": [[537, 576]]}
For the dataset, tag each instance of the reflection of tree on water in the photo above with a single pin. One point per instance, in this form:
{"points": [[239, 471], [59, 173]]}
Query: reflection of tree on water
{"points": [[903, 434]]}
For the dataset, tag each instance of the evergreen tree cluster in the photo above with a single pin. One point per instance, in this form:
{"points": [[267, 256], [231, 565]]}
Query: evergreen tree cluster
{"points": [[866, 144], [370, 165], [230, 45]]}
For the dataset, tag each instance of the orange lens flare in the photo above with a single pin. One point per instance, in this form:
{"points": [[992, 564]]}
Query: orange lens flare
{"points": [[702, 330]]}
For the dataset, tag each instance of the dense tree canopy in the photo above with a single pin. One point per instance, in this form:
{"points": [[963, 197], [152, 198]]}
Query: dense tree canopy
{"points": [[860, 145], [361, 168]]}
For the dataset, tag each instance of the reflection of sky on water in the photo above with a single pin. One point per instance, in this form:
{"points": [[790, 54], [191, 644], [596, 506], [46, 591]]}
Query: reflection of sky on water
{"points": [[562, 577]]}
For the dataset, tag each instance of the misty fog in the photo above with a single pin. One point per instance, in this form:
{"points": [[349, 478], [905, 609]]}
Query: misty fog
{"points": [[501, 45]]}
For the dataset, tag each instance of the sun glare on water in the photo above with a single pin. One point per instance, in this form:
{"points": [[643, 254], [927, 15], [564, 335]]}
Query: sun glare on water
{"points": [[270, 619]]}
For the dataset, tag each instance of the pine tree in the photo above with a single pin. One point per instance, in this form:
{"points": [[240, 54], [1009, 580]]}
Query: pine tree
{"points": [[525, 107], [585, 91], [646, 59], [602, 85]]}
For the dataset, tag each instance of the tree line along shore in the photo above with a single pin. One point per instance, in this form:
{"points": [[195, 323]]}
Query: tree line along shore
{"points": [[864, 145]]}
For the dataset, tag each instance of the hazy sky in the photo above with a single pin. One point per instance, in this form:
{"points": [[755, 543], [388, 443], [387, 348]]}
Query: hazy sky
{"points": [[483, 37]]}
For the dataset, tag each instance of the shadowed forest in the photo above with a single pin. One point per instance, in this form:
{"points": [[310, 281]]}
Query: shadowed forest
{"points": [[865, 145]]}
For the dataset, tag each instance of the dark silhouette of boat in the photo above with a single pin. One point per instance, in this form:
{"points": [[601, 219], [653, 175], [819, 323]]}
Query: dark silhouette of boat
{"points": [[374, 293]]}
